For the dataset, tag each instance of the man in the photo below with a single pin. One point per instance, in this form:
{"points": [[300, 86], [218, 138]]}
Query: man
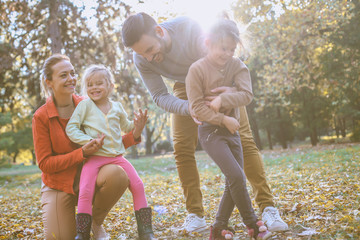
{"points": [[167, 50]]}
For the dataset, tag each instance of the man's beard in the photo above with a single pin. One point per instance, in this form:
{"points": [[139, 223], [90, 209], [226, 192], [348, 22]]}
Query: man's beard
{"points": [[163, 48], [159, 57]]}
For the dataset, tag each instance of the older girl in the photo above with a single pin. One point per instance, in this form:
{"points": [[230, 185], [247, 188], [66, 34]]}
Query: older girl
{"points": [[219, 135]]}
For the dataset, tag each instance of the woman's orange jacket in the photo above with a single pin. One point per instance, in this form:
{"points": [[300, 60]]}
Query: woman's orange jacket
{"points": [[58, 157]]}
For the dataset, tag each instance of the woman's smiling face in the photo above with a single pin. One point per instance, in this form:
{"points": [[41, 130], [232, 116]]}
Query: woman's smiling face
{"points": [[63, 78]]}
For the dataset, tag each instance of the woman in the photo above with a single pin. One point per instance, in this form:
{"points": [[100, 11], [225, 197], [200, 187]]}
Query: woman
{"points": [[60, 160]]}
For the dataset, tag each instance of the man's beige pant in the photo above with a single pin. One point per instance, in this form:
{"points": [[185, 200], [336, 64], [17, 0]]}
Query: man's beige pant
{"points": [[59, 207], [185, 137]]}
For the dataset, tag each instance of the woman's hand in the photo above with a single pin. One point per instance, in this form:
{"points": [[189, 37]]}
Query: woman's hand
{"points": [[231, 124], [140, 120], [93, 145]]}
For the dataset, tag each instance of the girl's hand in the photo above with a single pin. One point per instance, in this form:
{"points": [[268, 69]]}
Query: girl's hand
{"points": [[223, 89], [93, 145], [218, 91], [215, 104], [140, 120], [231, 124]]}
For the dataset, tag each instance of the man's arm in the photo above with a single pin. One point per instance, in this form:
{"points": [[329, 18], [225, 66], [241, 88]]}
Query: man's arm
{"points": [[158, 90]]}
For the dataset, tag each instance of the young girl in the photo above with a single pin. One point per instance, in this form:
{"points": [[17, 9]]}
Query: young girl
{"points": [[218, 133], [103, 120]]}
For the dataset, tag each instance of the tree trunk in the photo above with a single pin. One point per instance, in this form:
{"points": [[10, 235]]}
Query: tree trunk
{"points": [[33, 157], [282, 138], [134, 152], [148, 143], [269, 138], [337, 129], [353, 123], [150, 138], [15, 156], [54, 28], [343, 127], [313, 136]]}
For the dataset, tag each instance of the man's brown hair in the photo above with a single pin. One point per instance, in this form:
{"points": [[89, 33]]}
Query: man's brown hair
{"points": [[135, 26]]}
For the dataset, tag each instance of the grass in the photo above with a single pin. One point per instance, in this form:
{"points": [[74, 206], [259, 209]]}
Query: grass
{"points": [[19, 170], [316, 189]]}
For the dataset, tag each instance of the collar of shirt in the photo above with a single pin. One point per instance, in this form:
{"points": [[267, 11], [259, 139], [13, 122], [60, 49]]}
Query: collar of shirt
{"points": [[51, 108]]}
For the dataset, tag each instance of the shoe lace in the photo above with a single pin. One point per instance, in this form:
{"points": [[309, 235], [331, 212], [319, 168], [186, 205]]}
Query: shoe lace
{"points": [[189, 220], [274, 215]]}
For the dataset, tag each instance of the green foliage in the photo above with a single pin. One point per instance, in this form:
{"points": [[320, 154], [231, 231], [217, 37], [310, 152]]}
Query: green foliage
{"points": [[5, 140], [31, 31], [20, 140], [305, 60], [5, 162], [304, 63], [355, 137], [312, 110], [341, 59], [5, 119], [15, 135]]}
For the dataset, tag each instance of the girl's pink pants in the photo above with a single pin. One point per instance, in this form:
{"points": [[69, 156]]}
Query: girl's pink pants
{"points": [[89, 174]]}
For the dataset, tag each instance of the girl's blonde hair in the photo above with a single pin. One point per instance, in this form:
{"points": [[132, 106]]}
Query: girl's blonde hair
{"points": [[90, 71], [47, 72], [225, 27]]}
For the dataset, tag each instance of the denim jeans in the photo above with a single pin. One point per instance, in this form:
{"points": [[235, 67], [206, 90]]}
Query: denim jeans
{"points": [[226, 151]]}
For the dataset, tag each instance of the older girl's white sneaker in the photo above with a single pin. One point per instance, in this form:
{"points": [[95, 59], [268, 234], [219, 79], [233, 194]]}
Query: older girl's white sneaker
{"points": [[193, 223], [273, 221]]}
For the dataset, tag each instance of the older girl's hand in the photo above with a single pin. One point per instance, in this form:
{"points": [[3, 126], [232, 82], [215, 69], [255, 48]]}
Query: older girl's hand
{"points": [[93, 145], [231, 124], [215, 104], [140, 120]]}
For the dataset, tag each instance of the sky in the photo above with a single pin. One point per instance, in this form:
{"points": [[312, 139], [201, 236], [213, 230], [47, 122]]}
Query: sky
{"points": [[204, 11]]}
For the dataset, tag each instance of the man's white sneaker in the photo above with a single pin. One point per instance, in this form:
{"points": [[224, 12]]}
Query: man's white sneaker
{"points": [[99, 232], [273, 221], [192, 223]]}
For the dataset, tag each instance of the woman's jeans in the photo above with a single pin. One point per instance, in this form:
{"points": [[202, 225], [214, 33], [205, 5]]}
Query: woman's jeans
{"points": [[58, 208]]}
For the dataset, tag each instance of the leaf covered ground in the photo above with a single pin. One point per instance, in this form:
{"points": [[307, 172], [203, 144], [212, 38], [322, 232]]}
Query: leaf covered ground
{"points": [[316, 189]]}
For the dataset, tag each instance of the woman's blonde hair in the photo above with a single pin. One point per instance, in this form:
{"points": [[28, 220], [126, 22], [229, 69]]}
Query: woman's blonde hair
{"points": [[47, 72], [90, 71]]}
